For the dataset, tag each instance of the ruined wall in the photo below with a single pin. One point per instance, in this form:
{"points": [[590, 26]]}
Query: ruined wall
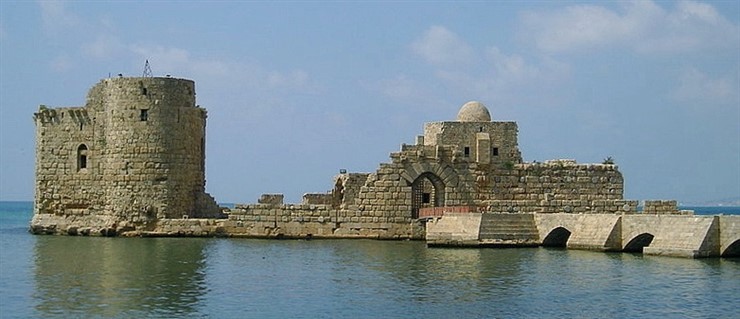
{"points": [[346, 188], [319, 221], [661, 207]]}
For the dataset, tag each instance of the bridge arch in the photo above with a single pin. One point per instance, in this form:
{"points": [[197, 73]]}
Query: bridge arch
{"points": [[733, 250], [636, 244], [558, 237]]}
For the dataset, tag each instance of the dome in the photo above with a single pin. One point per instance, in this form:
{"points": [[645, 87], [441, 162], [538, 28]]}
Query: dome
{"points": [[473, 111]]}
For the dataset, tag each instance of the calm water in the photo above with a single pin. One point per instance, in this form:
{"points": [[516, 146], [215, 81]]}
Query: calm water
{"points": [[50, 276]]}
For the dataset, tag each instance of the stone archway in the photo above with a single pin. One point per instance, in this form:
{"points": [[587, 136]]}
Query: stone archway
{"points": [[427, 190], [557, 237], [733, 250], [638, 243]]}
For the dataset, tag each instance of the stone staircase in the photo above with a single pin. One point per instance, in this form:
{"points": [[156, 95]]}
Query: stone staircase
{"points": [[501, 229]]}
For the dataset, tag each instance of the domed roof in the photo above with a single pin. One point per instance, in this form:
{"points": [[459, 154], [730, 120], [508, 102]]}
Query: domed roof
{"points": [[473, 111]]}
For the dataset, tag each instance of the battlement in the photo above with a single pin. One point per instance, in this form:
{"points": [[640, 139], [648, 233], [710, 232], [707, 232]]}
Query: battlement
{"points": [[63, 115]]}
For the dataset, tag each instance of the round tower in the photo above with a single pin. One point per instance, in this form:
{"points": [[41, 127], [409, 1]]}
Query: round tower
{"points": [[152, 151]]}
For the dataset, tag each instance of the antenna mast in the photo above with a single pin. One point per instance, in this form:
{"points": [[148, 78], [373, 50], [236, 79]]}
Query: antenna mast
{"points": [[147, 70]]}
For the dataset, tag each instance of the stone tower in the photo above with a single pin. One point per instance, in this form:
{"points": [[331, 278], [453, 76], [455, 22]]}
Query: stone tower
{"points": [[133, 154]]}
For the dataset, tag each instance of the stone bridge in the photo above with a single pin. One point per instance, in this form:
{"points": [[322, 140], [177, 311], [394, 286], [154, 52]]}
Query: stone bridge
{"points": [[690, 236]]}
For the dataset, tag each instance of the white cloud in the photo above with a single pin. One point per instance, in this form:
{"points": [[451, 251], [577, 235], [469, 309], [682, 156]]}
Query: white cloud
{"points": [[298, 80], [698, 87], [440, 46], [642, 26], [511, 68], [62, 63], [491, 74], [400, 87], [104, 47], [55, 16]]}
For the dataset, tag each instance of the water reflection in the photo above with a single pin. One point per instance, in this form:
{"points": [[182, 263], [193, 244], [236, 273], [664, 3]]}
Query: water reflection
{"points": [[117, 277]]}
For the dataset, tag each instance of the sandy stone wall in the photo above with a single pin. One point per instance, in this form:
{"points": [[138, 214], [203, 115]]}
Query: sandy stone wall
{"points": [[304, 220]]}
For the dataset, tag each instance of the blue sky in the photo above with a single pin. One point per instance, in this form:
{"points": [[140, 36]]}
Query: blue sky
{"points": [[298, 90]]}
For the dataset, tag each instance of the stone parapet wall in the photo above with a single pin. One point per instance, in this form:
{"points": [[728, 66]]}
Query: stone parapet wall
{"points": [[316, 220], [318, 199], [661, 207], [563, 206], [271, 199], [557, 181]]}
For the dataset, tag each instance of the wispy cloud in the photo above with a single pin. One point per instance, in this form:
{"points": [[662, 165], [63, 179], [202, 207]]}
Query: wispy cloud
{"points": [[489, 73], [641, 26], [440, 46], [173, 60], [698, 87], [105, 46], [62, 63], [55, 16]]}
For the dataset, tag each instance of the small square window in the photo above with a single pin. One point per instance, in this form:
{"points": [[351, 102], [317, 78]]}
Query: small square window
{"points": [[494, 151], [426, 198]]}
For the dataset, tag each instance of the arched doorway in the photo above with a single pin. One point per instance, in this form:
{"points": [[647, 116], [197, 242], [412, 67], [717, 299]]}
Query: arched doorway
{"points": [[558, 237], [638, 243], [427, 190]]}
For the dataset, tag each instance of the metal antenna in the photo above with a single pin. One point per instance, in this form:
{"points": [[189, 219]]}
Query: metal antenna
{"points": [[147, 70]]}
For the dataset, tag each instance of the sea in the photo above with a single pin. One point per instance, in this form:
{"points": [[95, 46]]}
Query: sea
{"points": [[91, 277]]}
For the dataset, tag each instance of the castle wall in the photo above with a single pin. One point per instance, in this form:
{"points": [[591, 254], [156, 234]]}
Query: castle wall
{"points": [[68, 162], [319, 221]]}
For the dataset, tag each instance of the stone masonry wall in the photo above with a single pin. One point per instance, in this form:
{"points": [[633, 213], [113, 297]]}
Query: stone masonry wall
{"points": [[64, 183]]}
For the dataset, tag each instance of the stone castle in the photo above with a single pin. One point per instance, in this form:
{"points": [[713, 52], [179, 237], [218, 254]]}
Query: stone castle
{"points": [[131, 162], [134, 154]]}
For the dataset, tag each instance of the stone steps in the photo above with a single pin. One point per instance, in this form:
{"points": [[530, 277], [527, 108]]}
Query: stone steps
{"points": [[508, 227]]}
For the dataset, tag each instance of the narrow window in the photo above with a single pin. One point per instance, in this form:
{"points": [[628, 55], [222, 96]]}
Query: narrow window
{"points": [[494, 151], [143, 91], [467, 151], [81, 157], [144, 116]]}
